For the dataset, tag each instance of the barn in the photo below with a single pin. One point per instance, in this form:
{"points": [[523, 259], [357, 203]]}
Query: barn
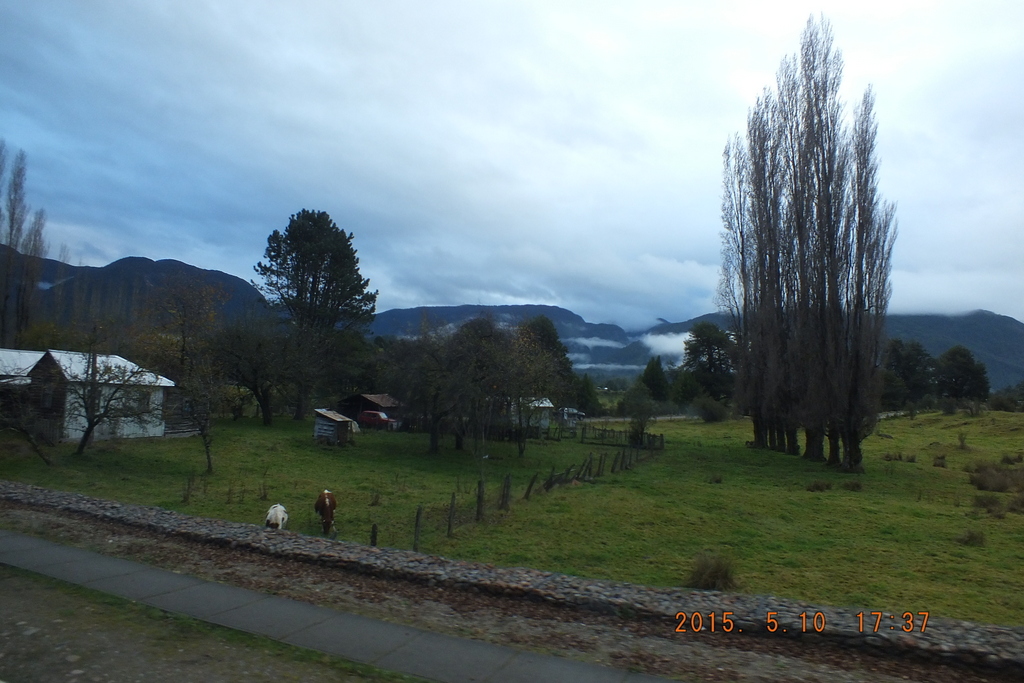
{"points": [[357, 403]]}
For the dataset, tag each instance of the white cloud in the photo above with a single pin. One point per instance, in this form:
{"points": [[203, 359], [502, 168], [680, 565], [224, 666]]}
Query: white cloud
{"points": [[669, 346], [591, 342]]}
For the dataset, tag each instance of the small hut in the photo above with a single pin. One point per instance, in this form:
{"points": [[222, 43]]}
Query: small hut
{"points": [[333, 428]]}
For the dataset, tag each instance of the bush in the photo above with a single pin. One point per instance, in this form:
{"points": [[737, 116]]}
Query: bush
{"points": [[855, 485], [1009, 460], [912, 458], [819, 485], [710, 410], [712, 571], [1016, 504], [947, 406], [989, 502], [939, 461], [1002, 402], [715, 479], [972, 537], [991, 478]]}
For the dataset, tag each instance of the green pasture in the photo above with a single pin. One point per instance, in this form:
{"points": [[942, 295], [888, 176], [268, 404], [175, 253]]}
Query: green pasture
{"points": [[892, 545]]}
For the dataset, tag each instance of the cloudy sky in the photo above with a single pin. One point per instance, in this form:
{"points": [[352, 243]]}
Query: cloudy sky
{"points": [[564, 153]]}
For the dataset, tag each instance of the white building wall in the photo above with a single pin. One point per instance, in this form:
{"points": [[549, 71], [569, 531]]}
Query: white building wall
{"points": [[149, 425]]}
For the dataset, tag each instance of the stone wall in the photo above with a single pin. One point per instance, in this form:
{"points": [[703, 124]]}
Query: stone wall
{"points": [[946, 640]]}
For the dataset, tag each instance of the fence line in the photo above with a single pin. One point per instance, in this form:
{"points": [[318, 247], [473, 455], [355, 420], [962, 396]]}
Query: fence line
{"points": [[444, 519], [620, 437]]}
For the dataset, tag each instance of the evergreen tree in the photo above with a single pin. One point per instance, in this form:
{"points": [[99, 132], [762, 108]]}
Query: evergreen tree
{"points": [[654, 379]]}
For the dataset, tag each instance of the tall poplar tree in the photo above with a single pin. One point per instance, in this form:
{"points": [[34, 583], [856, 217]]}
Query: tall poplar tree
{"points": [[807, 244]]}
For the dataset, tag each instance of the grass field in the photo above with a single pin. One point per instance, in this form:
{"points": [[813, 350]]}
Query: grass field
{"points": [[894, 545]]}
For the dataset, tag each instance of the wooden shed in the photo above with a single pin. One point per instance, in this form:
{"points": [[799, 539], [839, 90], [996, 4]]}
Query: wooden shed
{"points": [[333, 428]]}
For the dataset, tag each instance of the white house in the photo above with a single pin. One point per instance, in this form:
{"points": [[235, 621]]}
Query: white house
{"points": [[57, 385]]}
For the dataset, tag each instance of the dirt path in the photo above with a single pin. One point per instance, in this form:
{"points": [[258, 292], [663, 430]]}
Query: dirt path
{"points": [[628, 644]]}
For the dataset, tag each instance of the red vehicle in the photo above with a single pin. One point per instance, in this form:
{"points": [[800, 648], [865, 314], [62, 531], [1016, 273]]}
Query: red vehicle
{"points": [[376, 419]]}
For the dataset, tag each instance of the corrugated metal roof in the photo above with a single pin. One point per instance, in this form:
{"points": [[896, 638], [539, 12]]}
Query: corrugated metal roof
{"points": [[75, 365], [17, 363], [331, 415]]}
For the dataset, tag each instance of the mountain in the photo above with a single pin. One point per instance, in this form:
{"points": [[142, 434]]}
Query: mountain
{"points": [[995, 340], [123, 288]]}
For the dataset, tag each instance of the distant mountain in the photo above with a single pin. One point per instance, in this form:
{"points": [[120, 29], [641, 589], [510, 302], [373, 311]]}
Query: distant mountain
{"points": [[995, 340], [120, 290]]}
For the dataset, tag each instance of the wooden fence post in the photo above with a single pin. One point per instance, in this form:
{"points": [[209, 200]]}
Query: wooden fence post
{"points": [[530, 487], [416, 532], [600, 465], [615, 463], [506, 492], [480, 500], [451, 515], [373, 535]]}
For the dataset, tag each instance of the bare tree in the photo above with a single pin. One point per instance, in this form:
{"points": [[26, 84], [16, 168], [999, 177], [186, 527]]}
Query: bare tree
{"points": [[103, 389], [21, 265], [806, 259]]}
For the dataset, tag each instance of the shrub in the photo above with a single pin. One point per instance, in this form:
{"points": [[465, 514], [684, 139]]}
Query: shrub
{"points": [[819, 485], [855, 485], [710, 410], [991, 478], [715, 479], [939, 461], [1016, 504], [947, 406], [1009, 460], [1002, 402], [912, 458], [712, 571], [972, 537], [989, 502], [961, 438]]}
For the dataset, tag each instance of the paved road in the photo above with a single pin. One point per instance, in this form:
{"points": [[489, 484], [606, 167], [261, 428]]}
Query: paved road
{"points": [[385, 645]]}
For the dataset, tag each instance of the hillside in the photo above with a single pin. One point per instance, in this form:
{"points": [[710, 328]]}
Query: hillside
{"points": [[122, 289]]}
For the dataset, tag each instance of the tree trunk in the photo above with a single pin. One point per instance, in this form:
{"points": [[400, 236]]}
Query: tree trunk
{"points": [[814, 445], [263, 398], [833, 448], [301, 400], [852, 454], [792, 441], [86, 437], [435, 436]]}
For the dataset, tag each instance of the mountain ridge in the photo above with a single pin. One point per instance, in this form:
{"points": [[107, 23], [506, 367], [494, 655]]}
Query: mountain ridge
{"points": [[995, 340]]}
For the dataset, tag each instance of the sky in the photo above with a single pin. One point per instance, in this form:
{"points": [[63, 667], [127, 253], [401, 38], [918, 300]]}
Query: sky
{"points": [[563, 153]]}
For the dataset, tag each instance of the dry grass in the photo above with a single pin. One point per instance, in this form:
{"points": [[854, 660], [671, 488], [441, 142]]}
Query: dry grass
{"points": [[712, 571]]}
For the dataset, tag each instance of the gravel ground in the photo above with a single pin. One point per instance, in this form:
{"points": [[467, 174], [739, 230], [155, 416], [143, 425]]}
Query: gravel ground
{"points": [[641, 645]]}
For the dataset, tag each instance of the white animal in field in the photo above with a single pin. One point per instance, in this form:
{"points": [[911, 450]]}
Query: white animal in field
{"points": [[277, 516]]}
